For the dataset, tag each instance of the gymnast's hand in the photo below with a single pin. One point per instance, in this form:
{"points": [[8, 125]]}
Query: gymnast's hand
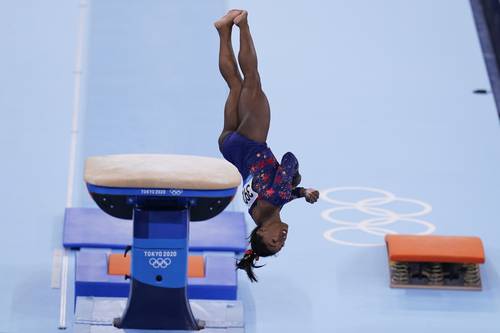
{"points": [[311, 195]]}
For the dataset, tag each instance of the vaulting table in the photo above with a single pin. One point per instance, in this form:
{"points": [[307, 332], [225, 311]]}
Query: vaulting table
{"points": [[162, 194]]}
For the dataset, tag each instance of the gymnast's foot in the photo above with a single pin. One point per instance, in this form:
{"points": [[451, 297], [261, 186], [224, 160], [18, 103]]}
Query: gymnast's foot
{"points": [[241, 19], [226, 21]]}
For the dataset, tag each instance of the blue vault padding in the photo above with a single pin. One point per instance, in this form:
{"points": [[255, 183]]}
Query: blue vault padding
{"points": [[92, 228], [92, 279]]}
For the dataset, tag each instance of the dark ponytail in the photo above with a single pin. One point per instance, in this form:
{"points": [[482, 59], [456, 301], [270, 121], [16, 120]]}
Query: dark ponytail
{"points": [[247, 263], [251, 256]]}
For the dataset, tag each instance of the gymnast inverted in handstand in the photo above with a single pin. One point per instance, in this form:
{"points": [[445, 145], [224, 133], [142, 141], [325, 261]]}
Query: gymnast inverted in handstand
{"points": [[267, 184]]}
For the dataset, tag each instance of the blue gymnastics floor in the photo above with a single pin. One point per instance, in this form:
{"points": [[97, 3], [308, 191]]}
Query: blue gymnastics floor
{"points": [[375, 99]]}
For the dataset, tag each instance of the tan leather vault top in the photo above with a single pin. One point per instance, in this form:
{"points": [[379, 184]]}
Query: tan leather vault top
{"points": [[443, 249], [161, 171]]}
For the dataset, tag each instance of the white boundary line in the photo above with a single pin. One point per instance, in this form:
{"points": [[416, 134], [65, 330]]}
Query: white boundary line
{"points": [[76, 105], [72, 152]]}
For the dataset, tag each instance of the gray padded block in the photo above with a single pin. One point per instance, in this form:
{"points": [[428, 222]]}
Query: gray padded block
{"points": [[85, 328], [99, 312]]}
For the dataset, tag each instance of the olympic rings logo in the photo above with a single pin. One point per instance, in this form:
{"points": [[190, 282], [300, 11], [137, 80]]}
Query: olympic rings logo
{"points": [[376, 225], [160, 262], [175, 192]]}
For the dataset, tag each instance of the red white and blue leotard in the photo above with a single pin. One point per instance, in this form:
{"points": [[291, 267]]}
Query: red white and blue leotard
{"points": [[263, 177]]}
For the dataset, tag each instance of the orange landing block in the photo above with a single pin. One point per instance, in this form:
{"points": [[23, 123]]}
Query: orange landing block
{"points": [[120, 265], [436, 262], [441, 249]]}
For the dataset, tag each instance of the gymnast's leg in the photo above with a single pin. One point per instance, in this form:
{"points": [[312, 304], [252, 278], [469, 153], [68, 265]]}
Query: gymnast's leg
{"points": [[253, 107], [230, 72]]}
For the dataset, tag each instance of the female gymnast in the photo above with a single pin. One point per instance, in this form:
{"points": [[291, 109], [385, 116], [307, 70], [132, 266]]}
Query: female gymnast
{"points": [[267, 184]]}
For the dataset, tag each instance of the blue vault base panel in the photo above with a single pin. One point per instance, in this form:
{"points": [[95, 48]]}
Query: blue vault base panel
{"points": [[92, 228], [92, 278]]}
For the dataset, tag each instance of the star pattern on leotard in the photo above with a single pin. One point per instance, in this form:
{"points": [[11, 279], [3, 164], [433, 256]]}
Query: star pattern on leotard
{"points": [[272, 180]]}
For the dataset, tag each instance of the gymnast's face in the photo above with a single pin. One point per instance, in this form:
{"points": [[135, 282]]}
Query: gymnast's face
{"points": [[274, 235]]}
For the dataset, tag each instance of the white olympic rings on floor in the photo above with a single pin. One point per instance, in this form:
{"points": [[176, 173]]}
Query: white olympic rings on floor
{"points": [[160, 262], [382, 217]]}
